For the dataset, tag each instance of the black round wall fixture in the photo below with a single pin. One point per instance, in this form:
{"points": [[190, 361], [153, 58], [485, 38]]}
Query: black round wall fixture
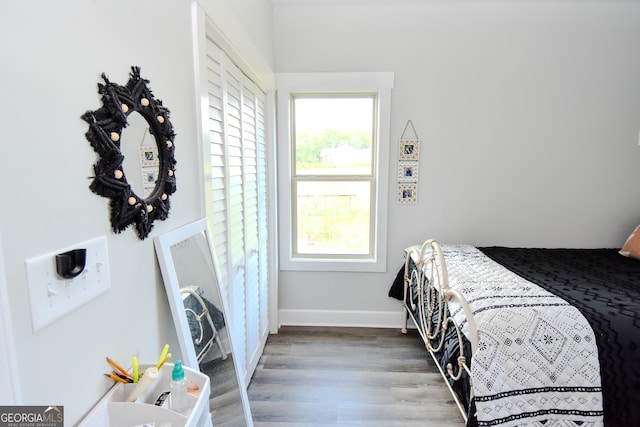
{"points": [[106, 126]]}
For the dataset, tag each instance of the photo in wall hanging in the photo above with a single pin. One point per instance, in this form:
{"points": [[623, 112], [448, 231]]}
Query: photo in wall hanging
{"points": [[408, 165], [149, 165], [408, 171], [407, 193]]}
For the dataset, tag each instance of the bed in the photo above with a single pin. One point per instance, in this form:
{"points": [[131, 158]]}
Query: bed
{"points": [[205, 320], [545, 337]]}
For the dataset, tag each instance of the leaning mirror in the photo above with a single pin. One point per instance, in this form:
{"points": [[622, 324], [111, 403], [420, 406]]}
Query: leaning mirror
{"points": [[199, 311], [130, 115]]}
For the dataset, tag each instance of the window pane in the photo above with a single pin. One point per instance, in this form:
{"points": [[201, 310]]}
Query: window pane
{"points": [[333, 217], [333, 135]]}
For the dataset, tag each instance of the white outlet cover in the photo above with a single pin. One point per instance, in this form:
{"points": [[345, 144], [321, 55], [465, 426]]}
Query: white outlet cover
{"points": [[52, 297]]}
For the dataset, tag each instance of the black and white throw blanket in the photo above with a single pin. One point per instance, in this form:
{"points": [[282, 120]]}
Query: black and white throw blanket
{"points": [[537, 360], [605, 287]]}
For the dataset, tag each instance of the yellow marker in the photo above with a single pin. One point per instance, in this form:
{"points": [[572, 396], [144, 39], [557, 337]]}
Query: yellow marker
{"points": [[163, 356], [167, 357], [134, 364]]}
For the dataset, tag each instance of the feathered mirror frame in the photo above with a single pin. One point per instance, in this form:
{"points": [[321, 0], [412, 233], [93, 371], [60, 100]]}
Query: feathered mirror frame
{"points": [[106, 125]]}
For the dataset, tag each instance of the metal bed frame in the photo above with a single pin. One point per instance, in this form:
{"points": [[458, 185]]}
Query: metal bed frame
{"points": [[199, 318], [434, 294]]}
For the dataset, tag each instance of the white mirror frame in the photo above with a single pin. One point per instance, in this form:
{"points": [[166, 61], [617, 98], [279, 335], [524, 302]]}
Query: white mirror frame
{"points": [[163, 244]]}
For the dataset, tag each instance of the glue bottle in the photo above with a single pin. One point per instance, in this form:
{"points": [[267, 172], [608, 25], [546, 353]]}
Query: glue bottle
{"points": [[178, 388]]}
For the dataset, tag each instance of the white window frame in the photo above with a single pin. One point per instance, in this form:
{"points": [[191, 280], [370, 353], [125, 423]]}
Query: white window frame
{"points": [[348, 83]]}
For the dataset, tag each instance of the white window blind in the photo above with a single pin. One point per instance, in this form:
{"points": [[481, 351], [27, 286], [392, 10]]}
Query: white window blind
{"points": [[263, 231], [238, 211]]}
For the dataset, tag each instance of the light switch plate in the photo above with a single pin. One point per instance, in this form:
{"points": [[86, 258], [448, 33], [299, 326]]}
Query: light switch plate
{"points": [[52, 297]]}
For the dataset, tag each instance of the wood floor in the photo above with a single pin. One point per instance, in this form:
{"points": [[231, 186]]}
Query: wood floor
{"points": [[310, 376]]}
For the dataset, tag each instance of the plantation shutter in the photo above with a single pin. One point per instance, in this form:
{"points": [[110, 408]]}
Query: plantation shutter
{"points": [[238, 211], [249, 111], [263, 259], [217, 149]]}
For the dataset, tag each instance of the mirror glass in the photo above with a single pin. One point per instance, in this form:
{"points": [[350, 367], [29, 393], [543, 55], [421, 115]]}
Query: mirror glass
{"points": [[200, 314], [141, 162]]}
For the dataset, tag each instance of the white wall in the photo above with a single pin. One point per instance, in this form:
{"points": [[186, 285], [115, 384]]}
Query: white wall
{"points": [[52, 55], [249, 23], [10, 390], [245, 34], [528, 114]]}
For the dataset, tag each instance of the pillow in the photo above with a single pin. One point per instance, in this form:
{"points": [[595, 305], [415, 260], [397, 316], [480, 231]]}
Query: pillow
{"points": [[631, 247]]}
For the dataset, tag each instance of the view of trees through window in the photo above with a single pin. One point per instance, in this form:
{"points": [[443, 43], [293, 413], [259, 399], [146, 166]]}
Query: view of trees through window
{"points": [[333, 174]]}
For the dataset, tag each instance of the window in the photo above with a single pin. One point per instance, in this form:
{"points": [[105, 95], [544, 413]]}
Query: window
{"points": [[333, 164], [333, 183]]}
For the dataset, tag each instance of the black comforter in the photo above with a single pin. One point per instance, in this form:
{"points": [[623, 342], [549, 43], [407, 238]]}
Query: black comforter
{"points": [[605, 287]]}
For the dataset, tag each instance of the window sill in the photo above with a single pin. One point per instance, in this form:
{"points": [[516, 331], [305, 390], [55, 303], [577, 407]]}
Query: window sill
{"points": [[320, 264]]}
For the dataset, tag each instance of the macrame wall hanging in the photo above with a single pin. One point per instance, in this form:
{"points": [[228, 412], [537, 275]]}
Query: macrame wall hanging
{"points": [[157, 161], [408, 166]]}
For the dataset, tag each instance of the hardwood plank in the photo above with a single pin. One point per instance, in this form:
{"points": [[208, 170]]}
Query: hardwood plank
{"points": [[311, 376]]}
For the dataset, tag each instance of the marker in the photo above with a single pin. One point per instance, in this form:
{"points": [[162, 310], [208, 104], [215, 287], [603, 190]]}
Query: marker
{"points": [[134, 364], [118, 367], [163, 356], [167, 357]]}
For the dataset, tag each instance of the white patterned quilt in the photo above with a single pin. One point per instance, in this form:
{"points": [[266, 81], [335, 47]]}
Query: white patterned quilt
{"points": [[537, 359]]}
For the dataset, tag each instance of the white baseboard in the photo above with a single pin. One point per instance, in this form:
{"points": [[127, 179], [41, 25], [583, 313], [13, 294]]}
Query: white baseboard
{"points": [[361, 319]]}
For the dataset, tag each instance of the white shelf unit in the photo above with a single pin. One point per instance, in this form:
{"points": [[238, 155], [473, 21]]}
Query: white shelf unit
{"points": [[114, 411]]}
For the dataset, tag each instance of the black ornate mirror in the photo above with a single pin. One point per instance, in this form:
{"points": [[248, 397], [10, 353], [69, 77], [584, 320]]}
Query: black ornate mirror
{"points": [[120, 107]]}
